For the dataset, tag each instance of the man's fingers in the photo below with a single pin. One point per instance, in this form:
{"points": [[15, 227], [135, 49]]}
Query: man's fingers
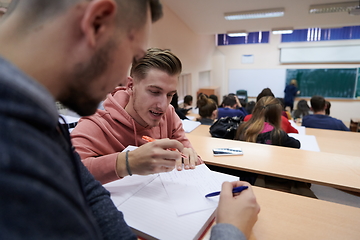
{"points": [[178, 164], [167, 143]]}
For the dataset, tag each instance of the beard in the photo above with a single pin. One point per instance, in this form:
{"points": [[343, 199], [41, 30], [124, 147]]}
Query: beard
{"points": [[79, 96]]}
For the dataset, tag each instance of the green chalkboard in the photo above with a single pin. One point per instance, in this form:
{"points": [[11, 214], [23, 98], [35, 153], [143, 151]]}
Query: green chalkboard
{"points": [[357, 94], [334, 82]]}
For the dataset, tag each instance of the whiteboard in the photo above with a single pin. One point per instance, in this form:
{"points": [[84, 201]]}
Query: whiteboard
{"points": [[331, 54], [255, 80]]}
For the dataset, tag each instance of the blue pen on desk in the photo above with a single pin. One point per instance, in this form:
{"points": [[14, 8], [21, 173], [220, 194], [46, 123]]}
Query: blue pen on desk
{"points": [[235, 190]]}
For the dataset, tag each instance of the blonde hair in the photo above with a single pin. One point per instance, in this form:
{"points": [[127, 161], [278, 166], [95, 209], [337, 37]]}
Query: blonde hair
{"points": [[293, 82], [267, 109], [156, 58]]}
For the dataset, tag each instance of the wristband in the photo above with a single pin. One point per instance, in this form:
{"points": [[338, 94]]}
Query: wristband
{"points": [[127, 163]]}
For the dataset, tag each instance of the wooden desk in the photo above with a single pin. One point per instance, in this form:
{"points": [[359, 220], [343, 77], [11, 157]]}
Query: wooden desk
{"points": [[289, 216], [336, 135], [333, 170], [202, 130], [339, 142]]}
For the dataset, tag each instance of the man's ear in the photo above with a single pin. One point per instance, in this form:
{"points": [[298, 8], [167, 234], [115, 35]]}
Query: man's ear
{"points": [[99, 18], [130, 85]]}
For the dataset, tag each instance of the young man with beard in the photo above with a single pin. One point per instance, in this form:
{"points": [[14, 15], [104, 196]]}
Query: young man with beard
{"points": [[142, 108], [73, 51]]}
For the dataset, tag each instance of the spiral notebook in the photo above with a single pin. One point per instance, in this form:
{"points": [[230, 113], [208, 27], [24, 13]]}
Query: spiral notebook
{"points": [[169, 205]]}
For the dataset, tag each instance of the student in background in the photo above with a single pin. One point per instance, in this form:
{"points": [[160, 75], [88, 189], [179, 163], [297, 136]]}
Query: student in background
{"points": [[142, 108], [215, 99], [207, 110], [231, 107], [301, 110], [327, 109], [187, 105], [196, 109], [285, 124], [265, 125], [188, 101], [174, 103], [284, 112], [319, 119], [250, 106], [291, 91]]}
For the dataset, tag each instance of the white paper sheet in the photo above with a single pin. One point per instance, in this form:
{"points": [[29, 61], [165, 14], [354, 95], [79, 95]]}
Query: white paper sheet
{"points": [[150, 211], [195, 184], [189, 126], [308, 142], [122, 189]]}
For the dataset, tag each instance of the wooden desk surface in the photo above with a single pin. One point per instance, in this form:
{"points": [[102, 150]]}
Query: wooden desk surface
{"points": [[289, 216], [332, 134], [202, 130], [333, 170], [339, 142]]}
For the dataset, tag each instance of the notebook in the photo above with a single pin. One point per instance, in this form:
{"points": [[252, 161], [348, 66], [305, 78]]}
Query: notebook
{"points": [[169, 205]]}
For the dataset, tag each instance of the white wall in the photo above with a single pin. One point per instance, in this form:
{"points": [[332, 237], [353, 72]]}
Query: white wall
{"points": [[195, 51]]}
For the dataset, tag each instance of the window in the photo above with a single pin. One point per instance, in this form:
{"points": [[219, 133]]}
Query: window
{"points": [[184, 85], [322, 34], [252, 37]]}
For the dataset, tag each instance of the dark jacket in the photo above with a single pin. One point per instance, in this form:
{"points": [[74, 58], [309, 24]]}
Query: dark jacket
{"points": [[285, 140], [46, 192], [229, 112], [290, 94], [323, 122]]}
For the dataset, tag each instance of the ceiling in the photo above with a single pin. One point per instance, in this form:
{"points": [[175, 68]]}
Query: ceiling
{"points": [[207, 16]]}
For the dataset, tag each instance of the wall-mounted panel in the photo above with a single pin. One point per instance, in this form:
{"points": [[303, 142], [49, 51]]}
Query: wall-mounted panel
{"points": [[327, 54]]}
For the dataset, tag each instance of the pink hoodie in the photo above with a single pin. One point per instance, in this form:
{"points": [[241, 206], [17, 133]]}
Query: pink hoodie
{"points": [[99, 138]]}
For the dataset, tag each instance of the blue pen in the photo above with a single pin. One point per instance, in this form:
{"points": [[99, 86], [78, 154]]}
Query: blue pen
{"points": [[235, 190]]}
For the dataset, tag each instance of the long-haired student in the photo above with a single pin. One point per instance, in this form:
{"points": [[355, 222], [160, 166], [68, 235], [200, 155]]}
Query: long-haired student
{"points": [[207, 110], [265, 125]]}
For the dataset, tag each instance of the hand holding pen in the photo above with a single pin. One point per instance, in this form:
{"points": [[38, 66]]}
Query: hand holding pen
{"points": [[150, 139], [149, 158], [238, 209], [236, 190]]}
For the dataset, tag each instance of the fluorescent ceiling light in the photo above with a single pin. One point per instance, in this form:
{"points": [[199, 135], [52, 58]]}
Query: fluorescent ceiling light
{"points": [[282, 31], [237, 34], [333, 7], [265, 13]]}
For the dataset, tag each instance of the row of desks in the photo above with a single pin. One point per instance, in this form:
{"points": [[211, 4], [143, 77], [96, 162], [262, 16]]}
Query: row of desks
{"points": [[289, 216], [329, 169], [339, 142]]}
